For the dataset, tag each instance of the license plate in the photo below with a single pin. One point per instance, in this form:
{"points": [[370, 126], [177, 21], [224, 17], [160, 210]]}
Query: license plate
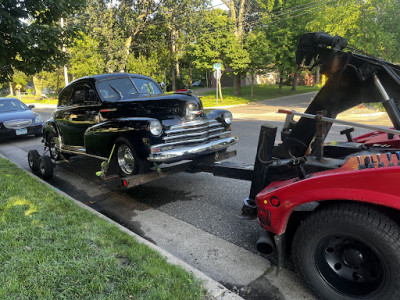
{"points": [[21, 131]]}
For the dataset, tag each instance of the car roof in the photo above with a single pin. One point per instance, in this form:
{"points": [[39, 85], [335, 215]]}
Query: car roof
{"points": [[111, 75]]}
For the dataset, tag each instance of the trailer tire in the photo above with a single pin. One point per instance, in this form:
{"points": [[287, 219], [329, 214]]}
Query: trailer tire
{"points": [[349, 251], [33, 160], [127, 161], [45, 167]]}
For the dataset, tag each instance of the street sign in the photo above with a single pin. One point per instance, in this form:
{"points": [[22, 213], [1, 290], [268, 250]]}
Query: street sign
{"points": [[217, 66], [18, 86], [217, 74]]}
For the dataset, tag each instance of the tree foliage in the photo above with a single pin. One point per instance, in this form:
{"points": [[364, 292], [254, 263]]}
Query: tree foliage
{"points": [[30, 36]]}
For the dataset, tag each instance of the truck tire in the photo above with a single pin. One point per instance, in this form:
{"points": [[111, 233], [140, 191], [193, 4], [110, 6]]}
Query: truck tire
{"points": [[45, 167], [349, 251], [127, 161], [33, 160]]}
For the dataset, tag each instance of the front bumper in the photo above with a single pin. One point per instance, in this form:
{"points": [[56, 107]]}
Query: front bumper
{"points": [[193, 151], [10, 133]]}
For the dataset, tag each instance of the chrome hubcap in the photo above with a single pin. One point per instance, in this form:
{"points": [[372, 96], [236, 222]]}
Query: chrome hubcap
{"points": [[125, 158]]}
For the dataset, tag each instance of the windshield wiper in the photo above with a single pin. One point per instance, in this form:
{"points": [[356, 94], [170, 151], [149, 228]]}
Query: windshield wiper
{"points": [[118, 92]]}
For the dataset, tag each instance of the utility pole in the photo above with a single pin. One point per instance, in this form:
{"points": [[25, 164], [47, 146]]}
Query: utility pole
{"points": [[63, 49]]}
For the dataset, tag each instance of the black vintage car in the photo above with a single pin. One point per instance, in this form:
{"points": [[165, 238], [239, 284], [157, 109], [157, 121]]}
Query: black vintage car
{"points": [[17, 119], [129, 117]]}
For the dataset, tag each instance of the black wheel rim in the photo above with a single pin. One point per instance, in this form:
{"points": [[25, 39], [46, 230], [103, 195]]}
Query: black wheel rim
{"points": [[349, 266]]}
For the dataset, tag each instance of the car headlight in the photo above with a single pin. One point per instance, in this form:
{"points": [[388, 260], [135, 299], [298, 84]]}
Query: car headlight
{"points": [[38, 119], [227, 117], [192, 112], [155, 127]]}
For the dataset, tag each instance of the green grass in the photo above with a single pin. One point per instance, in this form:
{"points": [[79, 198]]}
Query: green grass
{"points": [[261, 92], [30, 99], [53, 249]]}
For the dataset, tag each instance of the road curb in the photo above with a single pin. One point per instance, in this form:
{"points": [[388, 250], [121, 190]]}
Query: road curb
{"points": [[214, 289]]}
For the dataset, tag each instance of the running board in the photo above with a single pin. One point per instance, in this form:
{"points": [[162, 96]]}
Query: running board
{"points": [[78, 150]]}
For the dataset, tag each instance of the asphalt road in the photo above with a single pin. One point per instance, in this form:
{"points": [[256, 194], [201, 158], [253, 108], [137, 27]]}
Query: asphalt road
{"points": [[193, 216]]}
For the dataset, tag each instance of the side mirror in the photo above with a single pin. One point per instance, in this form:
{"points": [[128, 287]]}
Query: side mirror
{"points": [[31, 106]]}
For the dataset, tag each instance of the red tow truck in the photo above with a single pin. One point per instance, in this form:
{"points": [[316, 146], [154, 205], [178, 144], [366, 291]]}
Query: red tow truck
{"points": [[334, 206]]}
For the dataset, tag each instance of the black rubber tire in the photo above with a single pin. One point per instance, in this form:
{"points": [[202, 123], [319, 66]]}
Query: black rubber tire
{"points": [[45, 167], [352, 227], [137, 166], [33, 160], [54, 154]]}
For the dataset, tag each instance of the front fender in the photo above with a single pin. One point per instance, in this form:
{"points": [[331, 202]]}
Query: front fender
{"points": [[100, 138], [217, 114], [375, 186]]}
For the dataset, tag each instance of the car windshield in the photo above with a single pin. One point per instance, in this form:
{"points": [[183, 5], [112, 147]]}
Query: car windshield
{"points": [[10, 105], [127, 88]]}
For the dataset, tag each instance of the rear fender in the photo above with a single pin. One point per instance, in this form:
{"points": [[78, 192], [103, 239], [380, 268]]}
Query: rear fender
{"points": [[279, 199], [100, 138]]}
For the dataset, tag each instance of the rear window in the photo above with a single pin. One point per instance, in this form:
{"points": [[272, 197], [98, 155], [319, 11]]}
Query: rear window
{"points": [[10, 105], [146, 87]]}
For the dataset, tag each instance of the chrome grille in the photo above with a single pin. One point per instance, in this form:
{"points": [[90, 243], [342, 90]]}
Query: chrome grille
{"points": [[17, 124], [194, 132]]}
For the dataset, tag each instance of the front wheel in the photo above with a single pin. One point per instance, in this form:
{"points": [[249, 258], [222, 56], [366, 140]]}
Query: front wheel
{"points": [[127, 161], [349, 251]]}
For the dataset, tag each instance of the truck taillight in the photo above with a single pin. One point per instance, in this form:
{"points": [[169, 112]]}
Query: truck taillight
{"points": [[264, 216]]}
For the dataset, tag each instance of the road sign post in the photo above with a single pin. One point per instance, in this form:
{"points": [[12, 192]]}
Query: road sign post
{"points": [[217, 75]]}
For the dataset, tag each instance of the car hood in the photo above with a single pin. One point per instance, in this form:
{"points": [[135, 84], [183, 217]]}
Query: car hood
{"points": [[159, 106], [16, 115]]}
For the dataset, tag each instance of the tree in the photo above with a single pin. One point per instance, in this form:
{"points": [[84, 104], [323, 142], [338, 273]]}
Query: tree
{"points": [[217, 43], [239, 10], [370, 25], [258, 48], [30, 37], [181, 19], [86, 57]]}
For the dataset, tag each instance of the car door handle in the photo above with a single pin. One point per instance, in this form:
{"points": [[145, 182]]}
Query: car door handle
{"points": [[72, 116]]}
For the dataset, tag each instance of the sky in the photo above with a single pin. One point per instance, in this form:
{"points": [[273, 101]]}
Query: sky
{"points": [[219, 3]]}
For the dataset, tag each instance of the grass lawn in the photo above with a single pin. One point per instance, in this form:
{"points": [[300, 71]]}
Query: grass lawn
{"points": [[261, 92], [53, 249], [34, 99]]}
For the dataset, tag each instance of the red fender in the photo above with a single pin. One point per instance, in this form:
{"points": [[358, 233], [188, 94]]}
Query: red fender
{"points": [[380, 186]]}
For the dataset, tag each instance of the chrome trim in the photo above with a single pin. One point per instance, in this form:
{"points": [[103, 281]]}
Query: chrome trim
{"points": [[187, 152], [191, 128], [79, 151], [192, 124], [168, 138], [17, 124], [199, 140]]}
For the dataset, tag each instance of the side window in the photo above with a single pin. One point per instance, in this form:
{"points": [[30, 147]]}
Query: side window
{"points": [[65, 97], [83, 94], [146, 87]]}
